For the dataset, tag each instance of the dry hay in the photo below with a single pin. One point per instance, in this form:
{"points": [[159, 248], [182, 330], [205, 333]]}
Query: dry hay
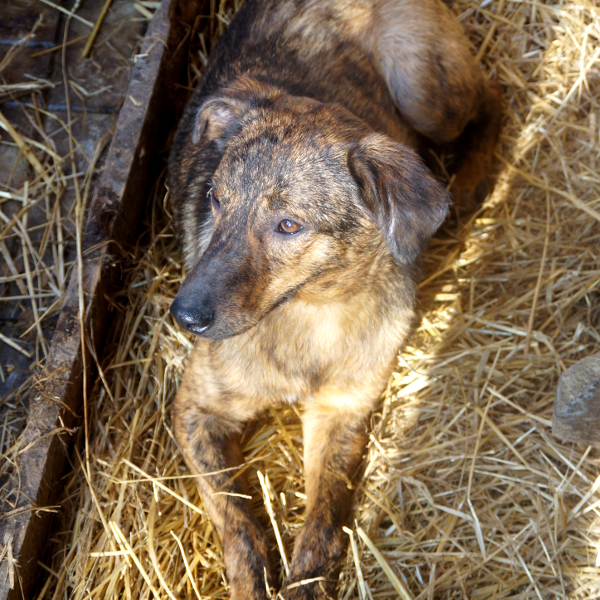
{"points": [[466, 493]]}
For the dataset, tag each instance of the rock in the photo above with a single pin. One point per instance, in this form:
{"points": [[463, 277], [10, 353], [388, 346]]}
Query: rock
{"points": [[577, 403]]}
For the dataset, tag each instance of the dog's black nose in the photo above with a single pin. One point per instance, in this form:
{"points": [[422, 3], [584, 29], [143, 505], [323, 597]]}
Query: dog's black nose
{"points": [[193, 319]]}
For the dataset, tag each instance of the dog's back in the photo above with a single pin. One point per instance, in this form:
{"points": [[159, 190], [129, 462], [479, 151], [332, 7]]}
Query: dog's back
{"points": [[308, 48]]}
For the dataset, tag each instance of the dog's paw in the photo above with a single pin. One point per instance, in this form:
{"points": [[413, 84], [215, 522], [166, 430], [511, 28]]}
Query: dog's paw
{"points": [[249, 592], [308, 589], [474, 171]]}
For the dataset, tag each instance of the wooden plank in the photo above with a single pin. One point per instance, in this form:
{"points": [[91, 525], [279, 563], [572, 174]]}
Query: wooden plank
{"points": [[146, 118]]}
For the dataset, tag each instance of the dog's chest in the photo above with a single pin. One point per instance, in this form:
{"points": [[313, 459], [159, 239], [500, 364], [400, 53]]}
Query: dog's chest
{"points": [[294, 355]]}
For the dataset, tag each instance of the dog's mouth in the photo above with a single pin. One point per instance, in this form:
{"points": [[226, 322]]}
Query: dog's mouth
{"points": [[204, 323], [203, 320]]}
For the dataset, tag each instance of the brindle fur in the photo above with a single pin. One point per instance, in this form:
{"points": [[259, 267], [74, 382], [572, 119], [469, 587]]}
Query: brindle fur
{"points": [[309, 112]]}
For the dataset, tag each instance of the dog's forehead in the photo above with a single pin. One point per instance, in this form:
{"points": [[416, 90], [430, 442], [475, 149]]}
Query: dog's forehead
{"points": [[283, 155]]}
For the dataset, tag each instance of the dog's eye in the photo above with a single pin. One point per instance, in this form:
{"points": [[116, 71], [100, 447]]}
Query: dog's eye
{"points": [[214, 200], [289, 226]]}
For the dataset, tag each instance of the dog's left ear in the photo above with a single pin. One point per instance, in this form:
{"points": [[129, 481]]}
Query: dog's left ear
{"points": [[405, 200], [220, 115]]}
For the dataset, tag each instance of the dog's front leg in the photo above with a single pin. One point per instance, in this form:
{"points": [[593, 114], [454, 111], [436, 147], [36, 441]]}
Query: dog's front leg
{"points": [[208, 428], [334, 440]]}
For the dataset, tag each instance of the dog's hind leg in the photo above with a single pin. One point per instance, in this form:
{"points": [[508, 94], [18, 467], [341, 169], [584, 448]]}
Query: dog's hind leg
{"points": [[334, 442], [422, 53], [209, 433]]}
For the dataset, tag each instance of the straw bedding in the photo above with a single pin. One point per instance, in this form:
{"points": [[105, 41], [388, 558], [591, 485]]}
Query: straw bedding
{"points": [[466, 493]]}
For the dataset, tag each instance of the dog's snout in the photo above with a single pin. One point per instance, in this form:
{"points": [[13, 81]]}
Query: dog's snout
{"points": [[193, 319]]}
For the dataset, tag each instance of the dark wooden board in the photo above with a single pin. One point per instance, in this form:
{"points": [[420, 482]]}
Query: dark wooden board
{"points": [[148, 115]]}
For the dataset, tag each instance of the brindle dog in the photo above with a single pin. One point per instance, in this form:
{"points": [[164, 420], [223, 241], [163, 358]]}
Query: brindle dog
{"points": [[302, 206]]}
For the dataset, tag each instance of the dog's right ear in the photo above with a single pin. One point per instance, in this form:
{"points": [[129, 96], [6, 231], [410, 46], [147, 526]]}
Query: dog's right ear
{"points": [[221, 116]]}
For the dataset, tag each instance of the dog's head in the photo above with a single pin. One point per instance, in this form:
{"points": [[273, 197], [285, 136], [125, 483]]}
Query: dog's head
{"points": [[303, 200]]}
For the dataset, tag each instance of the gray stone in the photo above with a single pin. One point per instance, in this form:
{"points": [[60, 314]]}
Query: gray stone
{"points": [[577, 403]]}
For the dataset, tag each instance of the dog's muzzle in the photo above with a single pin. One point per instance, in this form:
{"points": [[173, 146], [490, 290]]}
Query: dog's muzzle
{"points": [[191, 318]]}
